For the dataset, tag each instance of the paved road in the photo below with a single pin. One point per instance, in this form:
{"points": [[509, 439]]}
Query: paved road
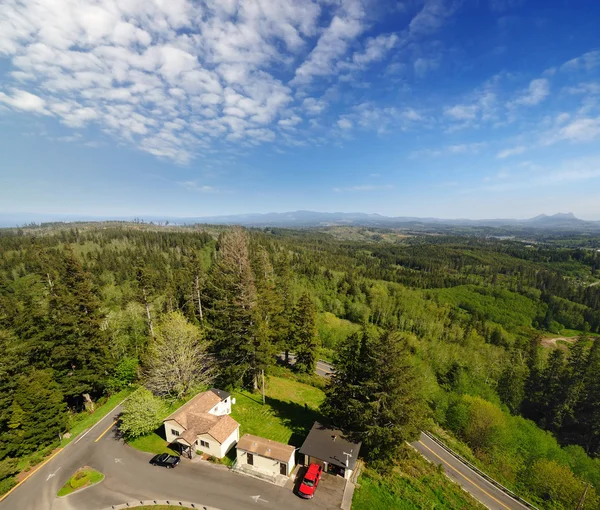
{"points": [[323, 368], [129, 477], [478, 487]]}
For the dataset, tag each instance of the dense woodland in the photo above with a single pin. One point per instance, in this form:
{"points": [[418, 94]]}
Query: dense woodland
{"points": [[458, 320]]}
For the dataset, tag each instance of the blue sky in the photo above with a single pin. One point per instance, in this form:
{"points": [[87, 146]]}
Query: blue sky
{"points": [[448, 108]]}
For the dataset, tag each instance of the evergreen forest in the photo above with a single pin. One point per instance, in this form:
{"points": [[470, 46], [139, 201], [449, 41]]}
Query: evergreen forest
{"points": [[489, 343]]}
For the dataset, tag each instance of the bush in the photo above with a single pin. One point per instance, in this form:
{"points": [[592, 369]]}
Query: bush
{"points": [[7, 484], [80, 479]]}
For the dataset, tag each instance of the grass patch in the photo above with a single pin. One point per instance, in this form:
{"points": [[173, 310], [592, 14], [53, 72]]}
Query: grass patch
{"points": [[412, 483], [290, 410], [152, 443], [84, 477]]}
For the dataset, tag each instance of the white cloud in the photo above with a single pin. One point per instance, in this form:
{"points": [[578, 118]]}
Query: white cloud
{"points": [[137, 68], [23, 100], [514, 151], [537, 91], [462, 112], [432, 16], [450, 150], [422, 66], [333, 44], [585, 62], [194, 186], [579, 130], [344, 123]]}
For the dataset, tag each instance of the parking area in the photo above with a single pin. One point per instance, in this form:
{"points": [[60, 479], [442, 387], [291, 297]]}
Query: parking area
{"points": [[329, 493]]}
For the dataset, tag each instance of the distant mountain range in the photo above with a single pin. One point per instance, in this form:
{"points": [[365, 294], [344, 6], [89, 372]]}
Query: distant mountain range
{"points": [[297, 219], [317, 219]]}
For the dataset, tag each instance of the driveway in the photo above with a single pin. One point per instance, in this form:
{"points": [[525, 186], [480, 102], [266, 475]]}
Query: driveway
{"points": [[129, 477], [329, 493]]}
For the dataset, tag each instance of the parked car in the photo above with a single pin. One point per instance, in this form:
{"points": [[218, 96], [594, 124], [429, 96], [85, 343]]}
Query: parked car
{"points": [[311, 480], [166, 460]]}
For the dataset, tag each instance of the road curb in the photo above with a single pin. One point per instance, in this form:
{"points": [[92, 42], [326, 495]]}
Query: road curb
{"points": [[156, 502]]}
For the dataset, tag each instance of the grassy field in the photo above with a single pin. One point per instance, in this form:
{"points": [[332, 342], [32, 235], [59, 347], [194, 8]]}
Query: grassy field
{"points": [[412, 484], [289, 411], [82, 478]]}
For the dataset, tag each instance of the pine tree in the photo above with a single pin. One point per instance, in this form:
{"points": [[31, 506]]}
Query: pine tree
{"points": [[587, 411], [231, 303], [78, 345], [511, 385], [37, 413], [304, 333], [374, 394]]}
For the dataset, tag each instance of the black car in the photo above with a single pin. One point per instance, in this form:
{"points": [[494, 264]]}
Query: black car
{"points": [[166, 460]]}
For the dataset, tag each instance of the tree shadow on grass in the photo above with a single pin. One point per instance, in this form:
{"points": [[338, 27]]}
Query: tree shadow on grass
{"points": [[297, 417]]}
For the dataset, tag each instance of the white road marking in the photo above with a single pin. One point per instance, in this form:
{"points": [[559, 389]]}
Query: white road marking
{"points": [[118, 461], [53, 474], [258, 498]]}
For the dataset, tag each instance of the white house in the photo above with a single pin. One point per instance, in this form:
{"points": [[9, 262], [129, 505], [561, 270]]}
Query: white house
{"points": [[265, 456], [204, 424]]}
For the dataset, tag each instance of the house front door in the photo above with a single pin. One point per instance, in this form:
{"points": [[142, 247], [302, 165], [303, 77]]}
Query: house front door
{"points": [[250, 459], [283, 468]]}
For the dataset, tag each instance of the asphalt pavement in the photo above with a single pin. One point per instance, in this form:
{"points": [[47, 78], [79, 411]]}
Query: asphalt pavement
{"points": [[482, 490], [129, 477]]}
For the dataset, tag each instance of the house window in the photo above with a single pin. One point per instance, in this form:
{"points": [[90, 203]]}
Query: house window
{"points": [[174, 432], [204, 443]]}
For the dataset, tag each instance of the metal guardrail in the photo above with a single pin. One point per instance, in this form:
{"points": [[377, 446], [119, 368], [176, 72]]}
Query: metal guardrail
{"points": [[481, 473]]}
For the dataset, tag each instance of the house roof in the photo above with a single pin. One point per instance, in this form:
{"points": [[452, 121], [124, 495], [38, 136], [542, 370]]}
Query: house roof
{"points": [[330, 445], [194, 417], [265, 447], [200, 404], [220, 393]]}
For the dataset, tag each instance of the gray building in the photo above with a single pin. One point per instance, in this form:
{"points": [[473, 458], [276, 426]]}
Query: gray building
{"points": [[332, 449]]}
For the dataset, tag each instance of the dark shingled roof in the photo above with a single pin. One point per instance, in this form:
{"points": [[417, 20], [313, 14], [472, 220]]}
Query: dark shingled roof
{"points": [[329, 444], [220, 393]]}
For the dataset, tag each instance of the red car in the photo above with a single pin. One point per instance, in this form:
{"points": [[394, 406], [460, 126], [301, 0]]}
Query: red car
{"points": [[311, 480]]}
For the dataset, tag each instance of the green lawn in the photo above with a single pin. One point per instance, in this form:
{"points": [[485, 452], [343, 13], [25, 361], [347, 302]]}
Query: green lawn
{"points": [[82, 478], [284, 417], [412, 484], [152, 443]]}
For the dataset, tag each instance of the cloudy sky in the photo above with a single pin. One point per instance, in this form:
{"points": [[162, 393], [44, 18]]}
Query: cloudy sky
{"points": [[449, 108]]}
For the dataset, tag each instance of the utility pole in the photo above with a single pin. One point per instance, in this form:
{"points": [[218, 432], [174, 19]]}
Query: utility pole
{"points": [[263, 385], [582, 500]]}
